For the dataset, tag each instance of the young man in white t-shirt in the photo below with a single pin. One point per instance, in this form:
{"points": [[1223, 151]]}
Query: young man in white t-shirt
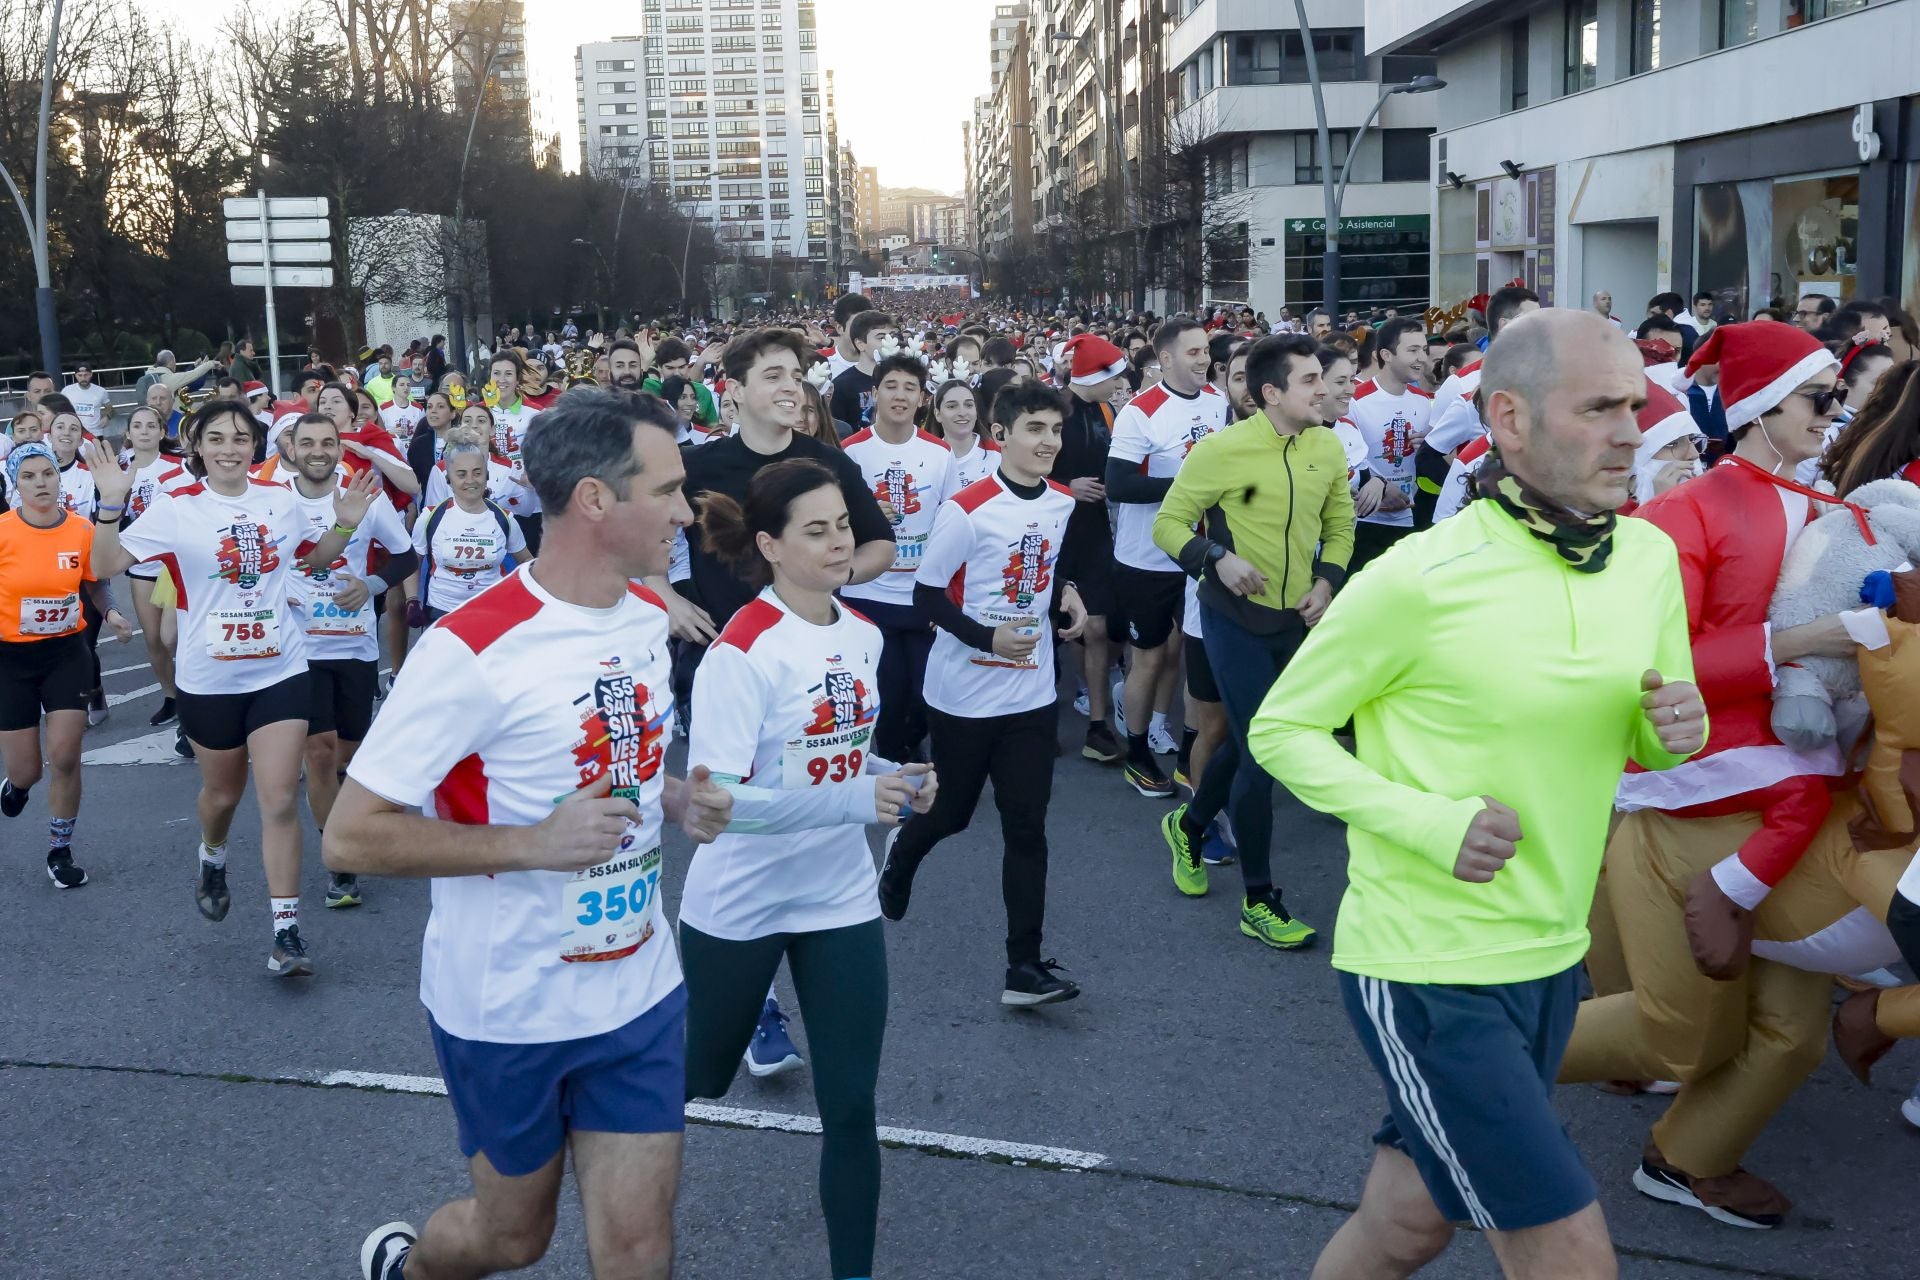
{"points": [[335, 606], [534, 723], [911, 473], [89, 400], [1391, 411], [1151, 437], [988, 581]]}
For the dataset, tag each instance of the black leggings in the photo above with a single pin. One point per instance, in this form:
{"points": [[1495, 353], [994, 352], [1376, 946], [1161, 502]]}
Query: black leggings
{"points": [[1016, 751], [840, 976], [906, 638]]}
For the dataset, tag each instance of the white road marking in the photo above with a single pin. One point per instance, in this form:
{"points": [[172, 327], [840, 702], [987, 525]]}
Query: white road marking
{"points": [[120, 671], [149, 748], [781, 1122], [115, 699]]}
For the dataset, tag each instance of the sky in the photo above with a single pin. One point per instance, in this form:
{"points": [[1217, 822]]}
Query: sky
{"points": [[904, 78]]}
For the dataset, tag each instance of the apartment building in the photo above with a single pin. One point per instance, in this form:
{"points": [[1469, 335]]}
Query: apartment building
{"points": [[1001, 140], [491, 36], [1241, 90], [1759, 150], [722, 101]]}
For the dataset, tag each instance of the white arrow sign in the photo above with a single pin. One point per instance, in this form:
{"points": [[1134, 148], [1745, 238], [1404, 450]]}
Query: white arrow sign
{"points": [[283, 229], [294, 251], [283, 277], [277, 207]]}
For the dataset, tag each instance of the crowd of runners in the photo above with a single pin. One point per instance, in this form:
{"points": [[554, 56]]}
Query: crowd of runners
{"points": [[1455, 588]]}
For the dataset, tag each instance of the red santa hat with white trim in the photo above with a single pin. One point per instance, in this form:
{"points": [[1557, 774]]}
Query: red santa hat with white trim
{"points": [[1662, 421], [1094, 359], [1761, 363]]}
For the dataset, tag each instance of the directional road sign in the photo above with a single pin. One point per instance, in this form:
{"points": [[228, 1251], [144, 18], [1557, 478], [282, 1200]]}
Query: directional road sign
{"points": [[283, 230], [283, 277], [277, 207], [283, 251]]}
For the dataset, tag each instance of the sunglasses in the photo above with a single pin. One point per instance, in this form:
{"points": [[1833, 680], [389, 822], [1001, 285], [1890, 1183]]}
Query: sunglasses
{"points": [[1825, 400]]}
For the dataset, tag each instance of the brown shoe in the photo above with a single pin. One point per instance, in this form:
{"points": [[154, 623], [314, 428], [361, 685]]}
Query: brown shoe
{"points": [[1738, 1199], [1719, 930], [1857, 1037]]}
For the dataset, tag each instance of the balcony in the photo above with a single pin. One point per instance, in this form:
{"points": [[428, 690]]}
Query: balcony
{"points": [[1265, 108], [1212, 19]]}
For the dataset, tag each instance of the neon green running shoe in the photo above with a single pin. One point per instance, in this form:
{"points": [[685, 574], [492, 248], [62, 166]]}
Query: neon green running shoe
{"points": [[1189, 873], [1267, 920]]}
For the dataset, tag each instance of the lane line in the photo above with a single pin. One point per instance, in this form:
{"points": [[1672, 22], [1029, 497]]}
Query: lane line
{"points": [[115, 699], [148, 748], [120, 671], [953, 1144], [1125, 1172]]}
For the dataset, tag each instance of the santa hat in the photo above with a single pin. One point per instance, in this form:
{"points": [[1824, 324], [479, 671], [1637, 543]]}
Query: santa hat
{"points": [[253, 389], [1663, 420], [1761, 363], [1094, 359]]}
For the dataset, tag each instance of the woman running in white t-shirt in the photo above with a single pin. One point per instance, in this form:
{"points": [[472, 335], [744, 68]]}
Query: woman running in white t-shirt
{"points": [[788, 703], [465, 539]]}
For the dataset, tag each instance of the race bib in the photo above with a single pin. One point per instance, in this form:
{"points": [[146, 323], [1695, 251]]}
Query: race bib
{"points": [[827, 757], [609, 910], [471, 554], [907, 552], [49, 615], [325, 617], [1029, 626], [239, 635]]}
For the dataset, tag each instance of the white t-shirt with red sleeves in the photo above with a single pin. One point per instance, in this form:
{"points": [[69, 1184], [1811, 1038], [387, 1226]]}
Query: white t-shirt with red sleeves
{"points": [[231, 559], [1355, 446], [1156, 430], [506, 708], [335, 633], [785, 705], [914, 477], [158, 479], [976, 464], [1393, 427], [401, 420], [993, 553], [468, 555], [1455, 419], [509, 429]]}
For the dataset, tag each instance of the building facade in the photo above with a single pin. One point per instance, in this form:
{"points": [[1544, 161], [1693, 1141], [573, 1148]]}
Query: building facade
{"points": [[491, 40], [723, 102], [1242, 92], [1758, 150]]}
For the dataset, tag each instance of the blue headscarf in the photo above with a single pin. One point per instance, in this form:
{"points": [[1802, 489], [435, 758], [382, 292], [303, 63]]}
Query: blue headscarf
{"points": [[21, 453]]}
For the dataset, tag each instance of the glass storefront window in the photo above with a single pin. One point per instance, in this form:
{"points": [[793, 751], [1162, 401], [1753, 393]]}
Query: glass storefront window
{"points": [[1770, 241], [1384, 262]]}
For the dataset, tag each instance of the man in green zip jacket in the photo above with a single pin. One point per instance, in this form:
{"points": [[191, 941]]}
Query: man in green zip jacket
{"points": [[1499, 670], [1274, 515]]}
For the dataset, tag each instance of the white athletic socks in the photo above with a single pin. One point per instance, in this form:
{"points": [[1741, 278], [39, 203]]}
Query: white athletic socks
{"points": [[213, 855], [286, 914]]}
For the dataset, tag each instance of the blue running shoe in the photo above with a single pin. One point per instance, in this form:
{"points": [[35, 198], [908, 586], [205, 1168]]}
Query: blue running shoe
{"points": [[771, 1050], [1214, 849]]}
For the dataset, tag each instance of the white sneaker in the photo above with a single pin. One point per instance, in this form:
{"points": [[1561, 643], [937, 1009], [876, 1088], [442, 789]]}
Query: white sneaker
{"points": [[1911, 1107], [1118, 713], [1161, 742], [1081, 706]]}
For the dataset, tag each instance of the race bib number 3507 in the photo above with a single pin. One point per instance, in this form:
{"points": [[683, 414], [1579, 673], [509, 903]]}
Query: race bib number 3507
{"points": [[610, 909]]}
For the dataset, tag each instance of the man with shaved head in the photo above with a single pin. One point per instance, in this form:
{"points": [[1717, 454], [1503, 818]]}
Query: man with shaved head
{"points": [[1496, 668]]}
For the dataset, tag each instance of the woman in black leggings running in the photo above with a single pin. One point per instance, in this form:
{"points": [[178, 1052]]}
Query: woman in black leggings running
{"points": [[788, 704]]}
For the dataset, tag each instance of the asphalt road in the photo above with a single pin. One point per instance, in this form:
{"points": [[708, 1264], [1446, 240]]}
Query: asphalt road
{"points": [[161, 1115]]}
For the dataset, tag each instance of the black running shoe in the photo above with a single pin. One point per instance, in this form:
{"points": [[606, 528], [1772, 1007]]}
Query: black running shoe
{"points": [[343, 891], [385, 1250], [1034, 982], [289, 958], [13, 799], [896, 882], [62, 872], [1102, 746], [181, 747], [211, 894], [164, 715]]}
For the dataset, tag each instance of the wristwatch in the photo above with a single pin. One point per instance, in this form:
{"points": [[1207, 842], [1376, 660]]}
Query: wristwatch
{"points": [[1215, 553]]}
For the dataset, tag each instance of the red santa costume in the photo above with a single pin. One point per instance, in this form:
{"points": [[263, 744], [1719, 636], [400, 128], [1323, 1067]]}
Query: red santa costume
{"points": [[1733, 526]]}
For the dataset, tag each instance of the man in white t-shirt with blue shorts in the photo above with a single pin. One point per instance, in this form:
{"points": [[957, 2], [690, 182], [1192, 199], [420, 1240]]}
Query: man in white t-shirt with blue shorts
{"points": [[533, 722]]}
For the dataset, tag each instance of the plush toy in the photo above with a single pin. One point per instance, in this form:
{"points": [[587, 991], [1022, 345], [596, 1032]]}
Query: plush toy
{"points": [[1817, 701]]}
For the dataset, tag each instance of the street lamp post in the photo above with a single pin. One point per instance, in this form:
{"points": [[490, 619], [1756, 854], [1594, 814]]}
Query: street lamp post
{"points": [[1335, 192], [457, 295], [36, 222]]}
